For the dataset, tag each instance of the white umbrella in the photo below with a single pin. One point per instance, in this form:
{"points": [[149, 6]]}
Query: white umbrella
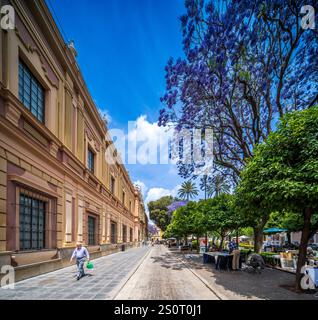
{"points": [[244, 237]]}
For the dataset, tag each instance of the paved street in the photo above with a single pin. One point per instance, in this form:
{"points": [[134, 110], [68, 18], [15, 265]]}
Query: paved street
{"points": [[154, 273], [163, 275], [107, 277]]}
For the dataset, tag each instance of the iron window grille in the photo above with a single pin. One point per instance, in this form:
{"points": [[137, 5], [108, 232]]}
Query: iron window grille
{"points": [[131, 235], [113, 234], [123, 197], [124, 233], [31, 92], [91, 231], [32, 223], [90, 160], [112, 185]]}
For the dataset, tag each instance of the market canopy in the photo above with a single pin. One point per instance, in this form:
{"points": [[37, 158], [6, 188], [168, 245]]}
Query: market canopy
{"points": [[274, 230], [244, 237]]}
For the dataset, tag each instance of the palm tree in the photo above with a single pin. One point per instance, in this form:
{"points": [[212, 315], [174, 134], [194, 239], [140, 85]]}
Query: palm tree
{"points": [[204, 185], [188, 190], [218, 185]]}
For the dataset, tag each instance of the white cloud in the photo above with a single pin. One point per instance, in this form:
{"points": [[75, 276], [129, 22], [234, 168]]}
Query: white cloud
{"points": [[142, 186], [156, 193], [105, 114], [151, 142]]}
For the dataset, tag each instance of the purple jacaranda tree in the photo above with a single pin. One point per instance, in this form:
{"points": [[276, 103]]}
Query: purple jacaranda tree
{"points": [[246, 64], [175, 205], [152, 229]]}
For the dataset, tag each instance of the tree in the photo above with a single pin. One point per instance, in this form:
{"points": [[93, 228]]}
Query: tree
{"points": [[158, 211], [204, 185], [186, 220], [219, 215], [175, 205], [217, 185], [188, 190], [246, 64], [283, 175], [253, 214]]}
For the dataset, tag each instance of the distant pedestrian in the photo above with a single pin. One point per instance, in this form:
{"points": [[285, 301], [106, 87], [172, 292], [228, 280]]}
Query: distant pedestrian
{"points": [[81, 254], [235, 252]]}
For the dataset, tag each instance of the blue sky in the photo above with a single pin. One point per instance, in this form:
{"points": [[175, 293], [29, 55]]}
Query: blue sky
{"points": [[123, 47]]}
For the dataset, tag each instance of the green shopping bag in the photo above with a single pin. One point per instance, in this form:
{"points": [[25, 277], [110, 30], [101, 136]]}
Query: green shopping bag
{"points": [[89, 265]]}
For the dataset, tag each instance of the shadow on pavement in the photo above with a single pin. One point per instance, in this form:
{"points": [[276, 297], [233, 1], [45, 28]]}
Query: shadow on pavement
{"points": [[270, 284]]}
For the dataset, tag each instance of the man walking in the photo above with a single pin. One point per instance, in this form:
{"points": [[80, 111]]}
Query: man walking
{"points": [[81, 254]]}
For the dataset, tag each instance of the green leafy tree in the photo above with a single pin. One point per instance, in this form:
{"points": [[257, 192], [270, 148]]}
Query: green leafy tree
{"points": [[188, 190], [158, 211], [253, 213], [183, 221], [219, 215], [283, 175], [187, 220]]}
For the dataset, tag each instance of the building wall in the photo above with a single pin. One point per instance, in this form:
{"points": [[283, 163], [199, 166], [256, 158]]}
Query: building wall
{"points": [[296, 237], [49, 160]]}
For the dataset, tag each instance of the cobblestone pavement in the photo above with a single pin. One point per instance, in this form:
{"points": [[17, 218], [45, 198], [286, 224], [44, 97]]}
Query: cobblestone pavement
{"points": [[162, 275], [103, 282]]}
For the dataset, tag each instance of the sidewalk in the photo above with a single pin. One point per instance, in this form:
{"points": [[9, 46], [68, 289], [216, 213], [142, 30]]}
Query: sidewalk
{"points": [[241, 285], [103, 282]]}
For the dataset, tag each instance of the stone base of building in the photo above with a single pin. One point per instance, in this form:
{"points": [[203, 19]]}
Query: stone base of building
{"points": [[28, 265]]}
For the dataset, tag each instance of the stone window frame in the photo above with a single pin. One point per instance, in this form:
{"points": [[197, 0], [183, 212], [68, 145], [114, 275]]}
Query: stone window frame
{"points": [[90, 151], [42, 80], [97, 228], [50, 241], [112, 222], [40, 91], [112, 186]]}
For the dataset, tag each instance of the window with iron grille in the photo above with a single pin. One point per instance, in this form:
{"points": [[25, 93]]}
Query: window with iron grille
{"points": [[123, 197], [131, 235], [90, 160], [124, 233], [32, 223], [112, 184], [31, 92], [113, 232], [91, 231]]}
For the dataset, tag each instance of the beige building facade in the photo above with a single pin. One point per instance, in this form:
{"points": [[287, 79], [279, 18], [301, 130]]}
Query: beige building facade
{"points": [[56, 187]]}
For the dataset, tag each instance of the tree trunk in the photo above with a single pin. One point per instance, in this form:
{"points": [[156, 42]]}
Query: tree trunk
{"points": [[206, 242], [221, 243], [258, 239], [288, 238], [198, 244], [303, 247], [237, 236]]}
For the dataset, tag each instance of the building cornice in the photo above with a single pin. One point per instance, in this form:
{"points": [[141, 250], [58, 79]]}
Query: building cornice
{"points": [[39, 7]]}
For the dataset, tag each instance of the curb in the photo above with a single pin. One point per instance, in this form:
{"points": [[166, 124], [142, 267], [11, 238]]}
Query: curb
{"points": [[218, 295], [130, 274]]}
